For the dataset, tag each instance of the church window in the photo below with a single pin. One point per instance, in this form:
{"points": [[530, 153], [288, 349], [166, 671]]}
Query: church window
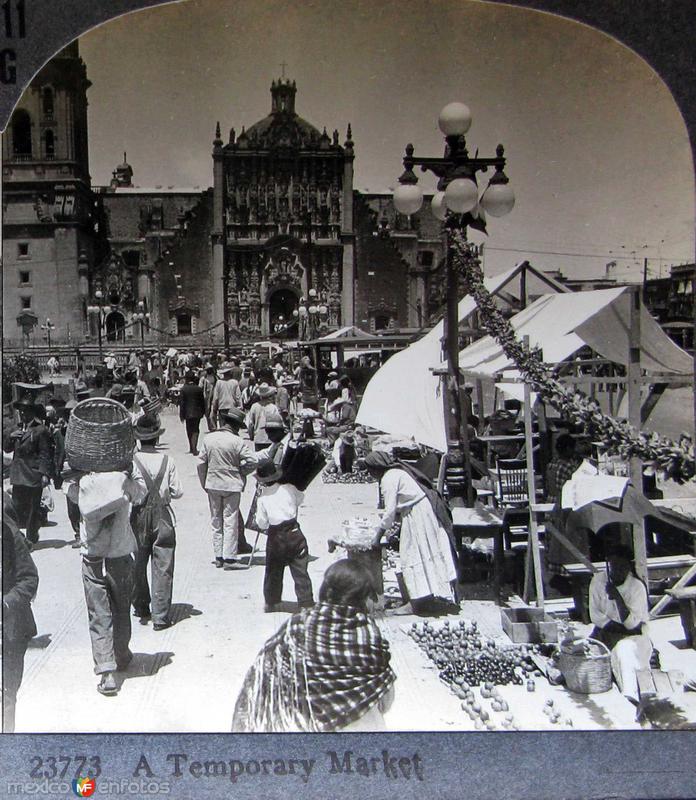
{"points": [[21, 133], [24, 277], [50, 144], [47, 101], [131, 258], [426, 258], [183, 324], [26, 303], [23, 249]]}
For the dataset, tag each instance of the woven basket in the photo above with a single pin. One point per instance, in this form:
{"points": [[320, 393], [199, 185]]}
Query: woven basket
{"points": [[587, 673], [100, 436]]}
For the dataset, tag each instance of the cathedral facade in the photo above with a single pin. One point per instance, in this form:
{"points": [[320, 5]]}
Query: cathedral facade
{"points": [[281, 245], [283, 236]]}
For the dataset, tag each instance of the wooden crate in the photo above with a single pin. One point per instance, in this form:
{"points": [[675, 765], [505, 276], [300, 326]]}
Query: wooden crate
{"points": [[528, 625], [686, 598], [655, 683]]}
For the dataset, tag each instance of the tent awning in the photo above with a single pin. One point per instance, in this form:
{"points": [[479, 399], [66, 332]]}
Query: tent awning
{"points": [[348, 332], [561, 324], [403, 397]]}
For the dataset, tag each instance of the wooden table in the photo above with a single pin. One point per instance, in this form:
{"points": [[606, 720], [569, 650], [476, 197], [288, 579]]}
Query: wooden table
{"points": [[482, 523], [658, 566], [489, 439]]}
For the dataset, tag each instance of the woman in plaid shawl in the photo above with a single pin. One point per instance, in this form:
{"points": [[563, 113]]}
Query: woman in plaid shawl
{"points": [[326, 669]]}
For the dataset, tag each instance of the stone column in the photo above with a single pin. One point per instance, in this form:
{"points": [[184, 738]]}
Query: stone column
{"points": [[348, 284], [217, 238]]}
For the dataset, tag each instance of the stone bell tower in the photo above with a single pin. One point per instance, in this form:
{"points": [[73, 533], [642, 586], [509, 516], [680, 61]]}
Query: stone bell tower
{"points": [[51, 232]]}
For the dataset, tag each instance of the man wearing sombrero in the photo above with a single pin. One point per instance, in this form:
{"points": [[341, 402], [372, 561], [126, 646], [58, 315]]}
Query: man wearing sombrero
{"points": [[154, 523], [32, 465], [259, 412], [226, 394], [226, 460], [276, 515]]}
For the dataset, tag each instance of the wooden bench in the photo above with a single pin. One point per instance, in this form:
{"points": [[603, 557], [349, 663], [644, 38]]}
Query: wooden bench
{"points": [[658, 567]]}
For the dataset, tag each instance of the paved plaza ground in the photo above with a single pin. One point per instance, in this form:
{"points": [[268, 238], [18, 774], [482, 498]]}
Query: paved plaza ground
{"points": [[186, 678]]}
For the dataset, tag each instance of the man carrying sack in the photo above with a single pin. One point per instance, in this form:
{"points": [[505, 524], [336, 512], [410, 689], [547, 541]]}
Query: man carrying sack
{"points": [[280, 438], [107, 547], [153, 523], [276, 515]]}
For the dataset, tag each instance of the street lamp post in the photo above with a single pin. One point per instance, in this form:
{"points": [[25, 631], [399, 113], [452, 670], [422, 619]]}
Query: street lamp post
{"points": [[458, 205], [141, 316], [99, 310], [48, 327], [302, 315]]}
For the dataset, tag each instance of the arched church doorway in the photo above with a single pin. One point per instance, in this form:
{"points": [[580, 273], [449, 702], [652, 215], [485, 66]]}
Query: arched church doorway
{"points": [[281, 305], [115, 327]]}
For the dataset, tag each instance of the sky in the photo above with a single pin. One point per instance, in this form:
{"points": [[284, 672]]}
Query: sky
{"points": [[598, 154]]}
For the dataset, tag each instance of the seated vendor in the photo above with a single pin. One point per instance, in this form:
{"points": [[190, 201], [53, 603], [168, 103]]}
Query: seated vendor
{"points": [[340, 418], [619, 611]]}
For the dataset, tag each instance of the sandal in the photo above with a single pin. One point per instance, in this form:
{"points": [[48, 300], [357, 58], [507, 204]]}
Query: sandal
{"points": [[107, 685], [405, 610]]}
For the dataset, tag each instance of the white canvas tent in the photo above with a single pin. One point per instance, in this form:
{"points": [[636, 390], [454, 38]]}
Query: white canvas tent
{"points": [[405, 399], [403, 396], [561, 324], [348, 332]]}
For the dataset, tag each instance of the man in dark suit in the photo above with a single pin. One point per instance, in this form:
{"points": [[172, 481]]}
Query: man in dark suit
{"points": [[192, 410], [20, 581], [32, 465]]}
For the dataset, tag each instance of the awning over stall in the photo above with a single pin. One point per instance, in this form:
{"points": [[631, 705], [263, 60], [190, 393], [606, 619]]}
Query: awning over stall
{"points": [[348, 332], [561, 324], [403, 397]]}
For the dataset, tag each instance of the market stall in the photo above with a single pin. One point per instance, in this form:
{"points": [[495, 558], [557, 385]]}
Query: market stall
{"points": [[403, 397]]}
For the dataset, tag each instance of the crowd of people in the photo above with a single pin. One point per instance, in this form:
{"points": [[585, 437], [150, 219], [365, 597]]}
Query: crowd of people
{"points": [[259, 417], [328, 667]]}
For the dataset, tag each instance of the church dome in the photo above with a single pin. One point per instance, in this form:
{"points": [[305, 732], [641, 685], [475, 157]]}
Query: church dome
{"points": [[282, 127]]}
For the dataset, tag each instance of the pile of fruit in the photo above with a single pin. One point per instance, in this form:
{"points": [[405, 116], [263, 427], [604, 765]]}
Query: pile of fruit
{"points": [[332, 475], [467, 658], [474, 666]]}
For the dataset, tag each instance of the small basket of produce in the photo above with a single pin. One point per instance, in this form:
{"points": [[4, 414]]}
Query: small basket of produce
{"points": [[100, 436], [358, 534], [358, 540], [586, 665]]}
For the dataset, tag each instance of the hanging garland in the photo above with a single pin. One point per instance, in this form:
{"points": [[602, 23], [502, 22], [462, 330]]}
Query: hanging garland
{"points": [[675, 460]]}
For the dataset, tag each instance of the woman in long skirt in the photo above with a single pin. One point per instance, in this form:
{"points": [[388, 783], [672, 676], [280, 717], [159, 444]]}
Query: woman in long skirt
{"points": [[427, 562]]}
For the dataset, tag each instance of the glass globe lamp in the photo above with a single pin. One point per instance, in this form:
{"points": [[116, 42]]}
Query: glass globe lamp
{"points": [[454, 119], [438, 206], [408, 198], [461, 195]]}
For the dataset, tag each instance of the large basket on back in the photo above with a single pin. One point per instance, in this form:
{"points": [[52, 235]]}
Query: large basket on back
{"points": [[587, 672], [100, 436]]}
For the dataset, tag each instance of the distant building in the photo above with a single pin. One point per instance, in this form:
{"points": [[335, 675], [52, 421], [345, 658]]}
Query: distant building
{"points": [[51, 220], [671, 300], [282, 229]]}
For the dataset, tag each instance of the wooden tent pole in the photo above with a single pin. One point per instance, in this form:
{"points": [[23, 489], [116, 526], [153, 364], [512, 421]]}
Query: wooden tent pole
{"points": [[533, 536], [634, 407]]}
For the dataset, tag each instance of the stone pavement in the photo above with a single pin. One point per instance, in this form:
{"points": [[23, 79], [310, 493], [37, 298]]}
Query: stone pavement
{"points": [[186, 678]]}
